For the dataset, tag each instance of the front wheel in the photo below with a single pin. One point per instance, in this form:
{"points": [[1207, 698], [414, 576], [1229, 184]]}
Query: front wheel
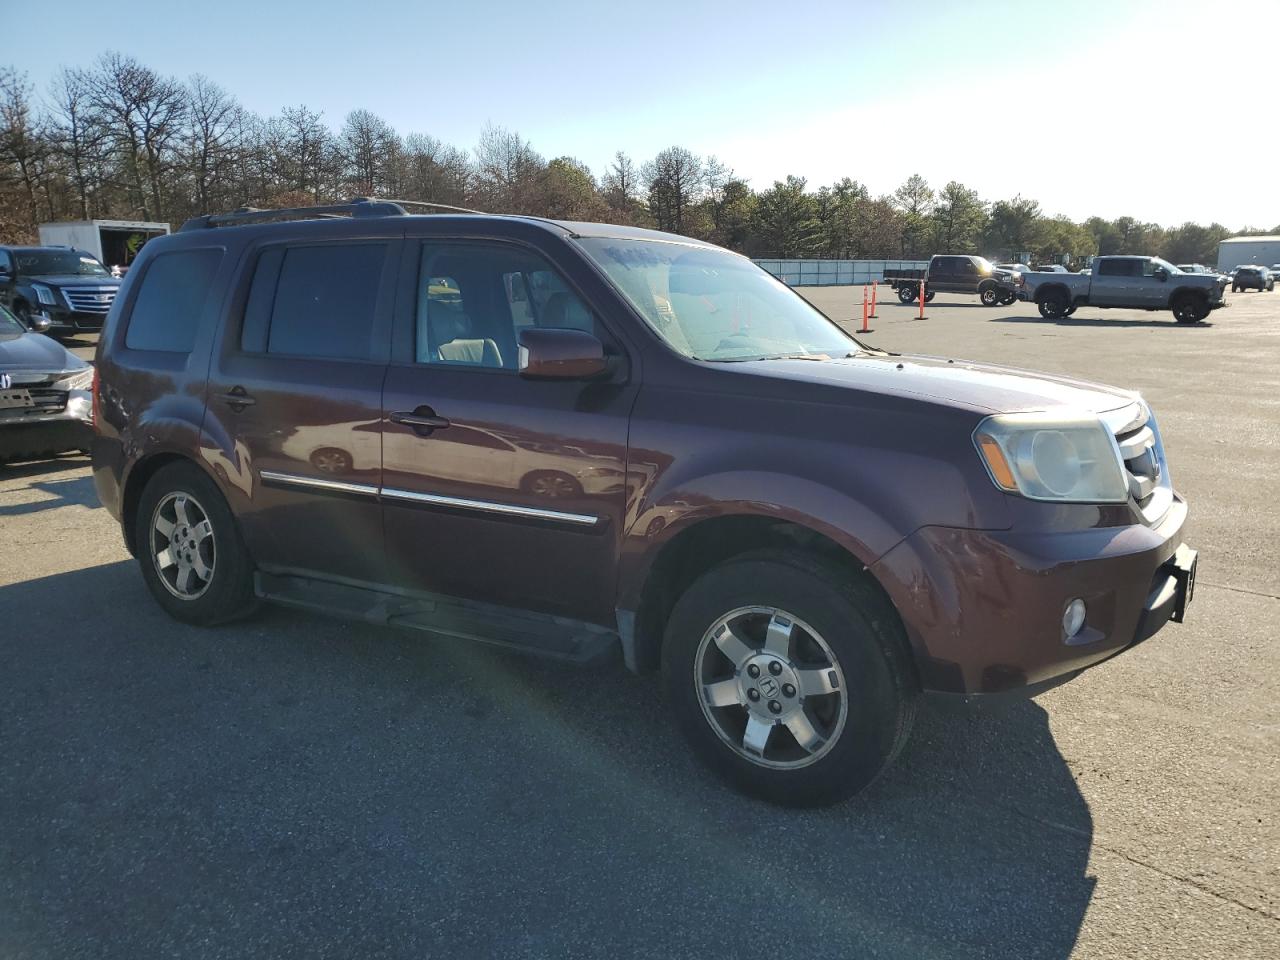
{"points": [[990, 296], [789, 678], [1190, 309], [189, 547]]}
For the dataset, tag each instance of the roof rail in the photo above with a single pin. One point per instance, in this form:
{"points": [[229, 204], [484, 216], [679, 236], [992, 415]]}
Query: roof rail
{"points": [[434, 206], [355, 207]]}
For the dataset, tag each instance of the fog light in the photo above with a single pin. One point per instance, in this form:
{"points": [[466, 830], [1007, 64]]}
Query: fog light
{"points": [[1073, 618]]}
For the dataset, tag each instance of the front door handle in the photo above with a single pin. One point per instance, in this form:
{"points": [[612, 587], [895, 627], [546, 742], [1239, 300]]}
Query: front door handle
{"points": [[237, 399], [423, 420]]}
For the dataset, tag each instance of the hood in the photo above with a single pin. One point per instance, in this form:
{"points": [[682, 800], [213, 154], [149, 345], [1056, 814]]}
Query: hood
{"points": [[72, 280], [35, 351], [984, 388]]}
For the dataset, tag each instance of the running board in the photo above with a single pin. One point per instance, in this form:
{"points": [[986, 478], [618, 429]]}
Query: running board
{"points": [[560, 638]]}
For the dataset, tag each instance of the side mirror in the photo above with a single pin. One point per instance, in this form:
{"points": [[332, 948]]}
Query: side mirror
{"points": [[40, 323], [558, 353], [1161, 274]]}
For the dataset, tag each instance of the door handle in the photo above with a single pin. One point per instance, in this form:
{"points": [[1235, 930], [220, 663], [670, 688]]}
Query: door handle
{"points": [[423, 420], [237, 399]]}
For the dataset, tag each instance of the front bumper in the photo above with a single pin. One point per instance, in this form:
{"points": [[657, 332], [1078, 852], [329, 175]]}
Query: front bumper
{"points": [[983, 609], [72, 321]]}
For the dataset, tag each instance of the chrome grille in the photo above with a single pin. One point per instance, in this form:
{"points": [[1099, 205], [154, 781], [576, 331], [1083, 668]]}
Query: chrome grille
{"points": [[89, 299], [1138, 440]]}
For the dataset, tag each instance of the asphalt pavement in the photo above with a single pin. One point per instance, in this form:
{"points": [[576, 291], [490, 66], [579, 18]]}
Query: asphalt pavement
{"points": [[295, 786]]}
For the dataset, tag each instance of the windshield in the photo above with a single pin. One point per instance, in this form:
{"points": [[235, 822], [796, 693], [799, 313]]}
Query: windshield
{"points": [[8, 325], [1166, 264], [58, 263], [714, 305]]}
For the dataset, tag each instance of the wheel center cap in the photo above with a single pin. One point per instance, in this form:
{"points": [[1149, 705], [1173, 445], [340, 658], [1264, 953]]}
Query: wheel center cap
{"points": [[768, 687]]}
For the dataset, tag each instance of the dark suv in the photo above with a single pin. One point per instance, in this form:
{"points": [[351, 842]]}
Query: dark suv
{"points": [[1252, 278], [574, 438], [68, 287]]}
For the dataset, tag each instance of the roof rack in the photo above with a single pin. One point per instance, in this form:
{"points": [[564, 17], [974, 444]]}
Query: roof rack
{"points": [[355, 207]]}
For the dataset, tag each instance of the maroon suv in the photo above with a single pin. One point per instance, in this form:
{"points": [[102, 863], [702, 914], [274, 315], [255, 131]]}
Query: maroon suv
{"points": [[572, 438]]}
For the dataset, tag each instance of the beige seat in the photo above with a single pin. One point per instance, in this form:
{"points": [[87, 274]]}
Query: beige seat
{"points": [[450, 328]]}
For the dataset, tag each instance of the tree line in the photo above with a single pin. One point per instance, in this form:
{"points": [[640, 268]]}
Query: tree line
{"points": [[117, 140]]}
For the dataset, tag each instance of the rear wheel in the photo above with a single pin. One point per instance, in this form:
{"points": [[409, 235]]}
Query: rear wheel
{"points": [[1070, 310], [789, 680], [1053, 305], [1007, 299], [1189, 308], [190, 550], [906, 294]]}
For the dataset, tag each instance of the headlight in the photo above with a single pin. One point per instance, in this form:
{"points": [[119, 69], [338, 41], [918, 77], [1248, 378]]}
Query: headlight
{"points": [[80, 380], [1046, 457], [44, 295]]}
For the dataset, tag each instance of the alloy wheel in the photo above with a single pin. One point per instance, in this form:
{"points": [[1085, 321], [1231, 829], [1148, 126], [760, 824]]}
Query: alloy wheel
{"points": [[771, 687], [182, 545]]}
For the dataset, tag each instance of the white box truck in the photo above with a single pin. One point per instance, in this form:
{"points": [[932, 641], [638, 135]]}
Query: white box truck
{"points": [[114, 242]]}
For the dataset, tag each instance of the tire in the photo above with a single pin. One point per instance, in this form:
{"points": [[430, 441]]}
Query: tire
{"points": [[906, 294], [854, 731], [928, 295], [227, 593], [1235, 289], [1053, 305], [990, 296], [1008, 298], [1190, 308], [1070, 310]]}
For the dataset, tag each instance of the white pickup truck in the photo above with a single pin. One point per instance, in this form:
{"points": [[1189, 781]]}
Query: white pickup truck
{"points": [[1133, 283]]}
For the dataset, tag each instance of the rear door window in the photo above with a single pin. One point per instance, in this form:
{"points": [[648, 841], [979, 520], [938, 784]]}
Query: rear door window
{"points": [[315, 301], [167, 309]]}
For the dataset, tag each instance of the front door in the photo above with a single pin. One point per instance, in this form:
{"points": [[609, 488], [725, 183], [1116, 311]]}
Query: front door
{"points": [[295, 405], [497, 488]]}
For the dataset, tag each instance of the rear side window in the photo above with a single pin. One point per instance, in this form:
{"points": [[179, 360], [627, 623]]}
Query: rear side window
{"points": [[166, 312], [1117, 268], [315, 301]]}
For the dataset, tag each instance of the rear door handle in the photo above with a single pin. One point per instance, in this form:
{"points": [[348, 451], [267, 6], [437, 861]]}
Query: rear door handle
{"points": [[237, 399], [422, 419]]}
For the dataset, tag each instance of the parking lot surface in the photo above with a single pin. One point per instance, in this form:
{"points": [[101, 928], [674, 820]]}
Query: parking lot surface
{"points": [[294, 786]]}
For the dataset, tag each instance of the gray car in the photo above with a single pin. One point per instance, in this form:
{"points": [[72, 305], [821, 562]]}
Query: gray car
{"points": [[1134, 283], [46, 402]]}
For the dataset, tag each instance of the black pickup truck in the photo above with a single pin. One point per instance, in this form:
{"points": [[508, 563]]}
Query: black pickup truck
{"points": [[955, 274]]}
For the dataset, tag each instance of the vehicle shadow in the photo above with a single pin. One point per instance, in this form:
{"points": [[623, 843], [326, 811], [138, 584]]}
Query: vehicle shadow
{"points": [[76, 491], [1078, 321], [315, 787]]}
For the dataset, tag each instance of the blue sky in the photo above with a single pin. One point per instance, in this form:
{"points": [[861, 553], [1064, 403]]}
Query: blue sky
{"points": [[1124, 107]]}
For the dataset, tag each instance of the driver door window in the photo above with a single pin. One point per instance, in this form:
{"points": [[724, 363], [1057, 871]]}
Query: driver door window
{"points": [[474, 299]]}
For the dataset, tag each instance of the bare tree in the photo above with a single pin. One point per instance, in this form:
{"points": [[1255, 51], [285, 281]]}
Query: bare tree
{"points": [[507, 171], [23, 143], [369, 151], [676, 180], [143, 113], [621, 186], [303, 152], [77, 136], [434, 171]]}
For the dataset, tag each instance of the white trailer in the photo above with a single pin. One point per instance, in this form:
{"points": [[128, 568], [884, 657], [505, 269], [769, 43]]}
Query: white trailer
{"points": [[114, 242], [1246, 251]]}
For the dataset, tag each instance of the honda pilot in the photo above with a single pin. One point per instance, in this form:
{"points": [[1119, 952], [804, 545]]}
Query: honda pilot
{"points": [[576, 439]]}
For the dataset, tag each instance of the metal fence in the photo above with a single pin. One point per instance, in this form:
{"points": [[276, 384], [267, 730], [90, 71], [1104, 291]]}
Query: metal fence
{"points": [[831, 273]]}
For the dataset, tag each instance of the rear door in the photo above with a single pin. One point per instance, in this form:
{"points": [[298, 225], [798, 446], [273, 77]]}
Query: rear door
{"points": [[1113, 281], [516, 497], [941, 274], [295, 404]]}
